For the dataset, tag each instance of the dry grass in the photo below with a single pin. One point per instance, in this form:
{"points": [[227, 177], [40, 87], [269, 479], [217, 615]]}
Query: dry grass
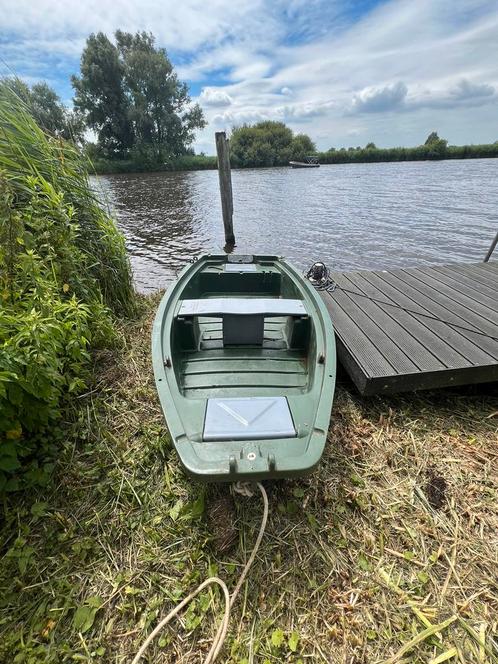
{"points": [[388, 553]]}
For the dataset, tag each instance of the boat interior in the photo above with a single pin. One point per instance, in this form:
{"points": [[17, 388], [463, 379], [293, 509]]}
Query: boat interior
{"points": [[241, 327]]}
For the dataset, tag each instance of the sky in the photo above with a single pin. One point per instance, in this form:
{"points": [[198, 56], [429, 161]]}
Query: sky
{"points": [[345, 72]]}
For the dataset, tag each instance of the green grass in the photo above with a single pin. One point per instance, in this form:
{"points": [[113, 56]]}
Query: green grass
{"points": [[355, 566]]}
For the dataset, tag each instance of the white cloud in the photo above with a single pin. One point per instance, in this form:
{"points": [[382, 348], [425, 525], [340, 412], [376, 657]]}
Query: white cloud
{"points": [[214, 97], [380, 100], [305, 110], [230, 119], [456, 96], [184, 25], [288, 113], [398, 97]]}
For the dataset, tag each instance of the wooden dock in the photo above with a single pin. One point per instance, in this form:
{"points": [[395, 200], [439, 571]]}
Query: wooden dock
{"points": [[419, 328]]}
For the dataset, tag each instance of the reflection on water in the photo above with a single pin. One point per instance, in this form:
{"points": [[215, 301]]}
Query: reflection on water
{"points": [[358, 216]]}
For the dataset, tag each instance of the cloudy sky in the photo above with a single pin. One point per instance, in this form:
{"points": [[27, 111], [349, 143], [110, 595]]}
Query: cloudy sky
{"points": [[344, 71]]}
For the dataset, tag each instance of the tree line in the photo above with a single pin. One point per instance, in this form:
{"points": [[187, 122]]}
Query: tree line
{"points": [[273, 144], [432, 149]]}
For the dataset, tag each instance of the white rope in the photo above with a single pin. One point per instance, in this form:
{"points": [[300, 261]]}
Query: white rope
{"points": [[229, 599]]}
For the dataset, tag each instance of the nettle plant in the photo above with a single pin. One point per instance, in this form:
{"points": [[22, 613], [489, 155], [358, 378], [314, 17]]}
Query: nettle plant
{"points": [[62, 263]]}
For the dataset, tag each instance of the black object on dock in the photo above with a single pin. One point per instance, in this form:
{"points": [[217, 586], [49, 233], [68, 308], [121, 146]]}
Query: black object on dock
{"points": [[418, 328]]}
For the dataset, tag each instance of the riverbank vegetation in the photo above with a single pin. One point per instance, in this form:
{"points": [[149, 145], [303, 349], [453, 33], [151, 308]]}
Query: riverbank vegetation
{"points": [[188, 162], [64, 279], [267, 144], [387, 553], [273, 144], [434, 148], [262, 144]]}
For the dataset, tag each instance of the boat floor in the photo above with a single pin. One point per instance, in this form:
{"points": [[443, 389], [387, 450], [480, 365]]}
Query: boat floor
{"points": [[241, 370]]}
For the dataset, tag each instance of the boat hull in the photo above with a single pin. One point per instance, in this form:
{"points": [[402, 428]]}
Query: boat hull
{"points": [[216, 394], [300, 164]]}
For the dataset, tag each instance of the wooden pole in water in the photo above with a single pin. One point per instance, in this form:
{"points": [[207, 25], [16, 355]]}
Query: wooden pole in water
{"points": [[224, 173], [491, 249]]}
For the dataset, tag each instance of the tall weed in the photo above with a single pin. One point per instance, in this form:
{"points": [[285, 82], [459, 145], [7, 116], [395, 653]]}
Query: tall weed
{"points": [[64, 277]]}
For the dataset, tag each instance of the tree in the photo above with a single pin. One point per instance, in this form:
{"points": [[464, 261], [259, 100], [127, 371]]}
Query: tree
{"points": [[267, 143], [53, 117], [370, 146], [432, 138], [46, 108], [301, 146], [133, 99], [436, 147], [48, 111], [18, 87], [160, 110], [100, 95]]}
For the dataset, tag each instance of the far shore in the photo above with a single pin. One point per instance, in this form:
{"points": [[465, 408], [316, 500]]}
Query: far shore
{"points": [[354, 156]]}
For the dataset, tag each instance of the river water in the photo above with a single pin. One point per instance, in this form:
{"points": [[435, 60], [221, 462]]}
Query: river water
{"points": [[351, 216]]}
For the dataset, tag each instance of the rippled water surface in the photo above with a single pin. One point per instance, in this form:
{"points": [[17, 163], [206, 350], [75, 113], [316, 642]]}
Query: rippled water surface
{"points": [[360, 216]]}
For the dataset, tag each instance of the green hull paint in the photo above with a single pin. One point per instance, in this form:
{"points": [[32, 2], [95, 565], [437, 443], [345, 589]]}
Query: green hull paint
{"points": [[296, 360]]}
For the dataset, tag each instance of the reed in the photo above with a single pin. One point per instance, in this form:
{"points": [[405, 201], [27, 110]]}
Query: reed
{"points": [[64, 280], [27, 152]]}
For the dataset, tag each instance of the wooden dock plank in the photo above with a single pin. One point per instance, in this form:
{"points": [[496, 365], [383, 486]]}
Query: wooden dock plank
{"points": [[453, 290], [417, 328], [481, 349], [443, 296], [448, 344], [458, 344], [484, 275], [397, 323], [380, 344], [469, 283], [478, 295]]}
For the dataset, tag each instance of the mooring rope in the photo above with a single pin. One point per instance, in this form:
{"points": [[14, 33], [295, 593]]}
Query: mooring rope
{"points": [[243, 489]]}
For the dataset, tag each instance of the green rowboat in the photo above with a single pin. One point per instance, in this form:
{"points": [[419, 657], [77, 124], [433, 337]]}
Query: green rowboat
{"points": [[244, 362]]}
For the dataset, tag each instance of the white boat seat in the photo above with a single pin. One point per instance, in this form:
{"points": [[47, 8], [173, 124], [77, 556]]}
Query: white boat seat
{"points": [[248, 418], [242, 306], [243, 318], [240, 267]]}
